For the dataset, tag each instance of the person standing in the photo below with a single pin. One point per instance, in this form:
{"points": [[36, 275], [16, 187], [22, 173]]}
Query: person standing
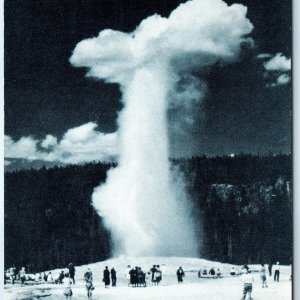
{"points": [[164, 274], [12, 275], [71, 269], [22, 275], [135, 276], [15, 273], [113, 275], [263, 277], [68, 291], [157, 275], [132, 277], [61, 277], [37, 278], [248, 281], [88, 278], [49, 277], [180, 275], [277, 272], [127, 275], [270, 268], [246, 267], [153, 270], [106, 278], [140, 277]]}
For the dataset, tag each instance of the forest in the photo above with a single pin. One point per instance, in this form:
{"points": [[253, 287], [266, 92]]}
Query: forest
{"points": [[243, 207]]}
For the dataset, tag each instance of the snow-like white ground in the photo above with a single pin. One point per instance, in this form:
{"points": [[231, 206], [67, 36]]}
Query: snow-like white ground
{"points": [[225, 288]]}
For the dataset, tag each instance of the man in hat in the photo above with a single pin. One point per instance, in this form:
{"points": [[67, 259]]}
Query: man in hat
{"points": [[248, 280], [71, 269], [277, 272], [180, 275], [113, 275], [106, 278]]}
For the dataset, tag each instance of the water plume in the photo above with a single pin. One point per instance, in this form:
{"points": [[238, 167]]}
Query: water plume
{"points": [[143, 203]]}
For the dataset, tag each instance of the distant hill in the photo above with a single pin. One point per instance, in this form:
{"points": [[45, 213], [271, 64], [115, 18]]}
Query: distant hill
{"points": [[17, 164]]}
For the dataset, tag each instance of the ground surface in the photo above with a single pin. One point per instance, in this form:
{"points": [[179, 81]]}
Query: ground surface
{"points": [[226, 288]]}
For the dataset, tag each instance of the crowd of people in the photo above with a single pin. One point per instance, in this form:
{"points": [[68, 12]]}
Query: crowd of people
{"points": [[40, 277], [212, 272], [248, 278], [136, 277], [109, 276]]}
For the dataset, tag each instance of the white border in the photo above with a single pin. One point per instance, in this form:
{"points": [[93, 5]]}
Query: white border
{"points": [[2, 148], [296, 147]]}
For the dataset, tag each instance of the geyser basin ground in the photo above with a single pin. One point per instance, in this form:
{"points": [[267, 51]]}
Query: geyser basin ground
{"points": [[227, 288]]}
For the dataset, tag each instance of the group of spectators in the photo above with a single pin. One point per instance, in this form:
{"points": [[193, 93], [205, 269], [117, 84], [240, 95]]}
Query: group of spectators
{"points": [[157, 273], [137, 277], [248, 279], [13, 275], [211, 273], [107, 275]]}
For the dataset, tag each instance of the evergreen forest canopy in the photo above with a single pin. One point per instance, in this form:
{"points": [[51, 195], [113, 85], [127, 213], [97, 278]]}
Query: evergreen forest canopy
{"points": [[243, 205]]}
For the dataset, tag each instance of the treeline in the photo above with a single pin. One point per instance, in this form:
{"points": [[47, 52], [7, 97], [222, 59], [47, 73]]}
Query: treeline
{"points": [[49, 220], [247, 223], [243, 206]]}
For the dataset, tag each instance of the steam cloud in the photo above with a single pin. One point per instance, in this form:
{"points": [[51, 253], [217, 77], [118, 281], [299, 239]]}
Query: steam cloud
{"points": [[142, 202]]}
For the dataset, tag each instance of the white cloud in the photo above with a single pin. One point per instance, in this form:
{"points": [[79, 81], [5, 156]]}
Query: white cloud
{"points": [[264, 55], [278, 63], [25, 147], [277, 70], [84, 143], [49, 141], [78, 145], [283, 79]]}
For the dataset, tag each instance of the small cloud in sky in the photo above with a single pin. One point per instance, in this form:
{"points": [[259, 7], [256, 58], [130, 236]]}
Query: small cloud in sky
{"points": [[49, 141], [264, 55], [78, 145], [25, 147], [281, 80], [277, 69], [278, 63]]}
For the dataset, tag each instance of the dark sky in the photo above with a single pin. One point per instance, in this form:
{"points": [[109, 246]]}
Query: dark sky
{"points": [[44, 94]]}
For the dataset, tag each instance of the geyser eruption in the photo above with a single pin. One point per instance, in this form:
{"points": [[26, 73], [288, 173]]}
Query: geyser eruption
{"points": [[142, 203]]}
